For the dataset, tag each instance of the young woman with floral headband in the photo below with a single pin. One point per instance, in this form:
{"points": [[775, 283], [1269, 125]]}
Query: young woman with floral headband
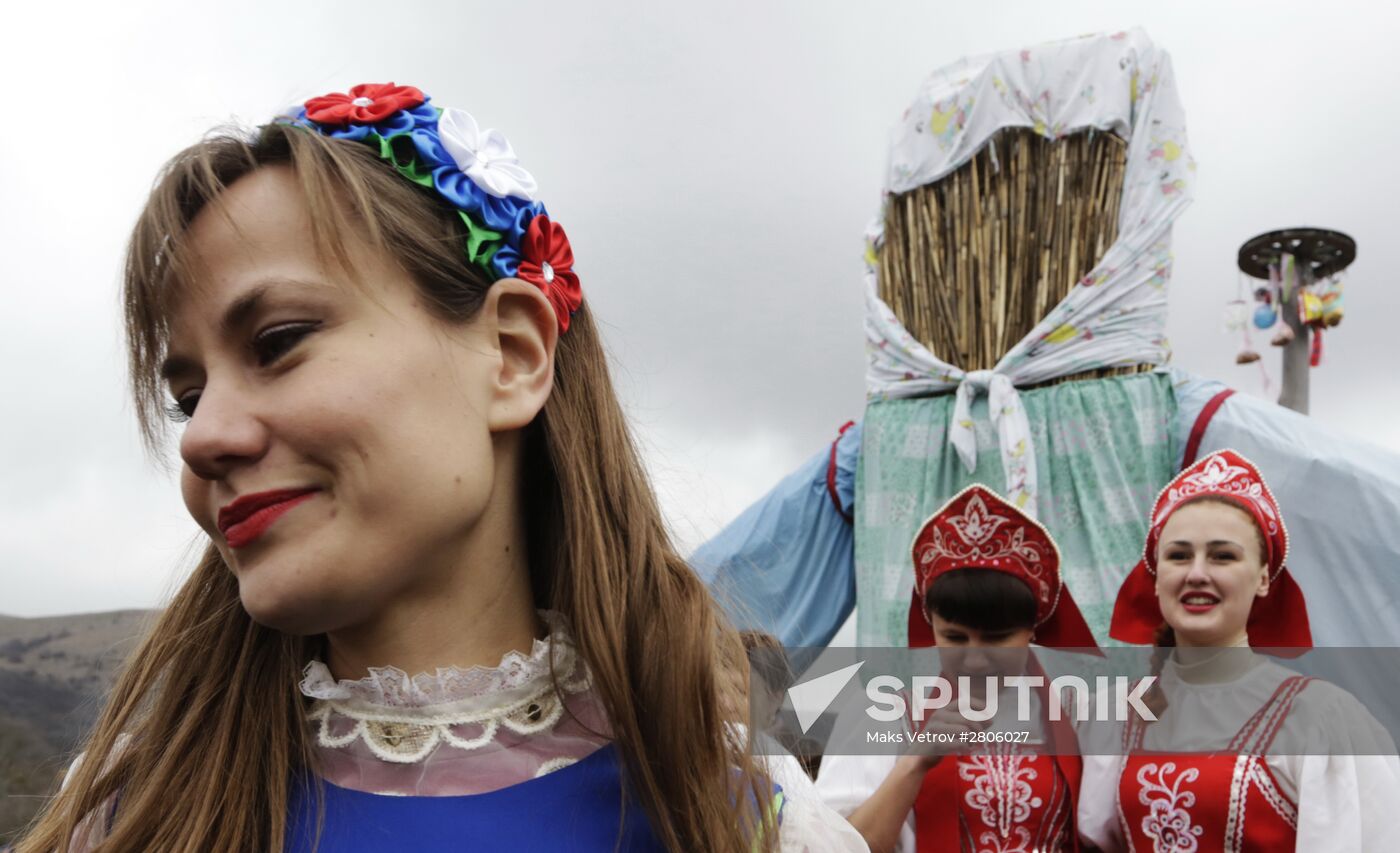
{"points": [[986, 584], [1245, 755], [402, 441]]}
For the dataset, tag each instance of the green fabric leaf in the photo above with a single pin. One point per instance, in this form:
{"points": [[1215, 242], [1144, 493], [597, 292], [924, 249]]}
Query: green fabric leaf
{"points": [[399, 150], [482, 242]]}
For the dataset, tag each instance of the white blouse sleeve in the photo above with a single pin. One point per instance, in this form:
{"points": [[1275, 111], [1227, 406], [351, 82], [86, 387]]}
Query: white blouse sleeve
{"points": [[845, 782], [1100, 745], [808, 824], [1346, 801], [1097, 818]]}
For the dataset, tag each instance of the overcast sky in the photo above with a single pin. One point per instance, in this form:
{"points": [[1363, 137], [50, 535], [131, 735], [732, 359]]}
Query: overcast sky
{"points": [[715, 164]]}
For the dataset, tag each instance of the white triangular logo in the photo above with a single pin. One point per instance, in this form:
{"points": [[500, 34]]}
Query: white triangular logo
{"points": [[811, 698]]}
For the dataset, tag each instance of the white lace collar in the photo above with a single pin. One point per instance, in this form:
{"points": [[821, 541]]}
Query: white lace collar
{"points": [[393, 691], [404, 719]]}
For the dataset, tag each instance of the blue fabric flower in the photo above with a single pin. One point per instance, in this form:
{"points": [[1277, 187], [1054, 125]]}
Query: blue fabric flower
{"points": [[496, 224]]}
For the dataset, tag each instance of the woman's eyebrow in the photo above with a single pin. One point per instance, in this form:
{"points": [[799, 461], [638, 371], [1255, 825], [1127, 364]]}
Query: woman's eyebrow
{"points": [[235, 316]]}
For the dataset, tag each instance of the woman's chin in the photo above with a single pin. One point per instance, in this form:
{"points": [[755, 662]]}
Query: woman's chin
{"points": [[1201, 629], [295, 612]]}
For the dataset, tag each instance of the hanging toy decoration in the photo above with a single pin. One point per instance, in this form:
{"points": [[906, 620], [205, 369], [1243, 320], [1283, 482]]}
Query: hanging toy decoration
{"points": [[1310, 308], [1312, 314], [1331, 293], [1264, 317], [1236, 310]]}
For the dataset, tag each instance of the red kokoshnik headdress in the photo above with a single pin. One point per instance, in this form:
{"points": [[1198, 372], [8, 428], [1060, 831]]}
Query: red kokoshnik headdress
{"points": [[1280, 618], [976, 529]]}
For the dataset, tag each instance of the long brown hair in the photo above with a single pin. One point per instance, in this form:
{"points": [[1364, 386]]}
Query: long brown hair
{"points": [[205, 731]]}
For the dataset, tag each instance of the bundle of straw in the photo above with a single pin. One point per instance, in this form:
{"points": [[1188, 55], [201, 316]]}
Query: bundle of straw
{"points": [[973, 261]]}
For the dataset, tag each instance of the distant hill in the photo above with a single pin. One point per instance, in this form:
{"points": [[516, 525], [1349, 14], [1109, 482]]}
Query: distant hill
{"points": [[54, 673]]}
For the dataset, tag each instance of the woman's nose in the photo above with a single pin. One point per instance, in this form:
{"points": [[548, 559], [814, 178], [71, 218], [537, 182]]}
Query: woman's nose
{"points": [[223, 432], [1198, 574], [974, 659]]}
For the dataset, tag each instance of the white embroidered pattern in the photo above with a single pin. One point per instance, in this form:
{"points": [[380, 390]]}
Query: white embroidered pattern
{"points": [[1168, 821], [1219, 476], [998, 844], [977, 527], [1264, 784], [1001, 793], [1239, 793]]}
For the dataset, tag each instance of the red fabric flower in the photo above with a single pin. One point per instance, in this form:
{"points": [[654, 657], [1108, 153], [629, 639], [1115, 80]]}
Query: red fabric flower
{"points": [[547, 261], [367, 103]]}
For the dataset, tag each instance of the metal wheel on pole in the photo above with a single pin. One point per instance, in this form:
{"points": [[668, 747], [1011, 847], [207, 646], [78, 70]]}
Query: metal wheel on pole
{"points": [[1318, 253]]}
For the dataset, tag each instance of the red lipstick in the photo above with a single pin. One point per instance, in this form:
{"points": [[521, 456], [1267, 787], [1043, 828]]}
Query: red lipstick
{"points": [[250, 516]]}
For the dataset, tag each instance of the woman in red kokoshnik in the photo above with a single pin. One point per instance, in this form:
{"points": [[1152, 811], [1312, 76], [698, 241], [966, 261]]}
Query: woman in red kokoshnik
{"points": [[986, 584], [1245, 755]]}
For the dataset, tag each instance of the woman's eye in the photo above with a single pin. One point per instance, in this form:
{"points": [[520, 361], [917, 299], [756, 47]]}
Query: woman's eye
{"points": [[268, 346], [182, 409], [271, 344]]}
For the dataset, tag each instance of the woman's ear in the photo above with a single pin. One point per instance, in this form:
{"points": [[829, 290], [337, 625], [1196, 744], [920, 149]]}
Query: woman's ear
{"points": [[525, 332], [1263, 584]]}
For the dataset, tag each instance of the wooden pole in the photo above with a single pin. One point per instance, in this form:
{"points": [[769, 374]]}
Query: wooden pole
{"points": [[1297, 356]]}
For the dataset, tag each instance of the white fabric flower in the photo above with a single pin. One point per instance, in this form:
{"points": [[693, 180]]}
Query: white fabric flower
{"points": [[485, 156]]}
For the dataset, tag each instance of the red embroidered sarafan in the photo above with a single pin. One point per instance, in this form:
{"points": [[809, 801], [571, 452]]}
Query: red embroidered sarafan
{"points": [[1225, 802], [1003, 801]]}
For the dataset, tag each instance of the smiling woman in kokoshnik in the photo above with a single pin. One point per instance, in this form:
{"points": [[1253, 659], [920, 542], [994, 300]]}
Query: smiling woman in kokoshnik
{"points": [[438, 607], [1245, 755]]}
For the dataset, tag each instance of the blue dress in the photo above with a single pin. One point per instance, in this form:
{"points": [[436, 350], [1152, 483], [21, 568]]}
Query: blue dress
{"points": [[578, 807]]}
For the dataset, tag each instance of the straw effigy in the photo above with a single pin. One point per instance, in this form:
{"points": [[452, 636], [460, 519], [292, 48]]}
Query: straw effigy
{"points": [[973, 261]]}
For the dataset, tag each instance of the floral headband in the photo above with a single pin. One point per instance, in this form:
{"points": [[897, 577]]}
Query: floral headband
{"points": [[509, 234]]}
